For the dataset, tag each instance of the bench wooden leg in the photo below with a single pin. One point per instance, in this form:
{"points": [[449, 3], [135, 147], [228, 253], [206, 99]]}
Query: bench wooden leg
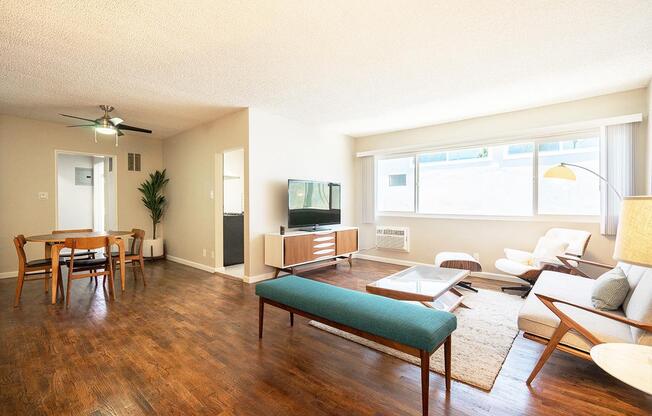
{"points": [[291, 319], [447, 362], [261, 311], [425, 380]]}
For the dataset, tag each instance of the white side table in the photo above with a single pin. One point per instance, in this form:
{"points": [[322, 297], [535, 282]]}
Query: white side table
{"points": [[629, 363]]}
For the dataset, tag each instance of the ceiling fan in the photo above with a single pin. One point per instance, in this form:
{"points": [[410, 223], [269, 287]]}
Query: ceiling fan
{"points": [[107, 124]]}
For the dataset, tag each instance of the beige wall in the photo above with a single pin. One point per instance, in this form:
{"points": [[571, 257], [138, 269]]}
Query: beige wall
{"points": [[489, 237], [191, 222], [282, 149], [27, 149], [648, 175]]}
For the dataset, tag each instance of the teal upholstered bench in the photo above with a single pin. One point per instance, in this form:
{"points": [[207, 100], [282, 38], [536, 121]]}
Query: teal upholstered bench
{"points": [[406, 327]]}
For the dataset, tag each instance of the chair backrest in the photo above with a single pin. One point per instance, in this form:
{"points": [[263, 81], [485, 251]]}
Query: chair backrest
{"points": [[137, 242], [638, 303], [577, 240], [19, 242], [88, 243], [81, 230]]}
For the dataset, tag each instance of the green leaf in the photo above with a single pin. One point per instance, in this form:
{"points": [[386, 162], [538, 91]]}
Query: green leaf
{"points": [[153, 198]]}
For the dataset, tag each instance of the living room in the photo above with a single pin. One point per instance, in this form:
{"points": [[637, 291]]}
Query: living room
{"points": [[437, 208]]}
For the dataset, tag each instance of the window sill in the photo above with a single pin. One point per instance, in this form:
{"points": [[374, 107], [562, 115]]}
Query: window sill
{"points": [[524, 218]]}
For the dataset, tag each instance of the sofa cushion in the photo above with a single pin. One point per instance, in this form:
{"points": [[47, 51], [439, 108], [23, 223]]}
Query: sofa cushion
{"points": [[537, 319], [634, 275], [405, 323], [639, 307], [610, 290]]}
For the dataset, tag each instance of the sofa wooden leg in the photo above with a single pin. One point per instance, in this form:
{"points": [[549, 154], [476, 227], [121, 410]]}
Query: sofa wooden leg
{"points": [[291, 319], [550, 347], [425, 380], [261, 312], [447, 362]]}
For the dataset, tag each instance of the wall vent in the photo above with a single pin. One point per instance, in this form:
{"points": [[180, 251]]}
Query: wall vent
{"points": [[133, 162], [393, 238]]}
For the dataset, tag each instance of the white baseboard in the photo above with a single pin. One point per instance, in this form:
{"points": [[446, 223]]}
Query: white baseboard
{"points": [[484, 275], [258, 278], [191, 264], [8, 275]]}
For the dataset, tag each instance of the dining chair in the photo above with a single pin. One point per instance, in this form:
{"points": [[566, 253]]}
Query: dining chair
{"points": [[88, 253], [88, 268], [28, 269], [134, 256]]}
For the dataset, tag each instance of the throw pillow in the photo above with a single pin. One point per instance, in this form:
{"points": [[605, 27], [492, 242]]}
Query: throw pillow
{"points": [[610, 290]]}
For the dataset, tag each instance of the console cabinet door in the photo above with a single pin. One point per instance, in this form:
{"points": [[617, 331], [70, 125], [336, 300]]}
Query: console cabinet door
{"points": [[347, 241], [298, 249]]}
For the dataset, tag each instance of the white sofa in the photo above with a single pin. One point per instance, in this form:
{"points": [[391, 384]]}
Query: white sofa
{"points": [[538, 322]]}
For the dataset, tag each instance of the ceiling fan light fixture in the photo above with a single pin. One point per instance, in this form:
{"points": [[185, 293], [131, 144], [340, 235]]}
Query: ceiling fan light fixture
{"points": [[105, 130]]}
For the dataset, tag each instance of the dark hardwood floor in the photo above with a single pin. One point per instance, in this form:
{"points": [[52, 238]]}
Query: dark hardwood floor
{"points": [[188, 344]]}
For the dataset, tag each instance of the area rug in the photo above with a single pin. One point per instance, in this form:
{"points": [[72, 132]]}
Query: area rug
{"points": [[485, 333]]}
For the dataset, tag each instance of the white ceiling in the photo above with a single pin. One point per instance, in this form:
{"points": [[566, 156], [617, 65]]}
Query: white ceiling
{"points": [[357, 67]]}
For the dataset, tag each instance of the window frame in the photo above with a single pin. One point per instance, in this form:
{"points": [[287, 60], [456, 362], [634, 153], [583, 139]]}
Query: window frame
{"points": [[535, 216]]}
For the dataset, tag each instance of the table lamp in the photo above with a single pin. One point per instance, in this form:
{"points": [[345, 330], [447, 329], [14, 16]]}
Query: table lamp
{"points": [[634, 237]]}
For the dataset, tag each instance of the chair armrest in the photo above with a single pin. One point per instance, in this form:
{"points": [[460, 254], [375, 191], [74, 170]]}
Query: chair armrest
{"points": [[519, 256], [569, 260], [637, 324]]}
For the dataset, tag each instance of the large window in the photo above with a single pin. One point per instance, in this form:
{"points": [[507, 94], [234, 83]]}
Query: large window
{"points": [[562, 197], [480, 181], [496, 180]]}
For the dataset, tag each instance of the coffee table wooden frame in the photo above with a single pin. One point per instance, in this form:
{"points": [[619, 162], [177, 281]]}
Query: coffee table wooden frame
{"points": [[425, 299]]}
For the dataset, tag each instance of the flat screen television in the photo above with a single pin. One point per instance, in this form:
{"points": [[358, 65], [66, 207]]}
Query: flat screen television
{"points": [[313, 203]]}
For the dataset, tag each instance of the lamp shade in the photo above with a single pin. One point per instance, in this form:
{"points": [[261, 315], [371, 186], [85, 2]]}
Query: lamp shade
{"points": [[560, 172], [634, 237]]}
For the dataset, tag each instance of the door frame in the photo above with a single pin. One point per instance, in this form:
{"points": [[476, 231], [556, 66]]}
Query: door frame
{"points": [[57, 152], [218, 204]]}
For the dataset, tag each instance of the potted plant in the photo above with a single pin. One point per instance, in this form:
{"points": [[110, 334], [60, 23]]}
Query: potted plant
{"points": [[155, 202]]}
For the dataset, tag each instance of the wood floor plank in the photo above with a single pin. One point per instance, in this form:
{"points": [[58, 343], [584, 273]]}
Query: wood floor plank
{"points": [[188, 344]]}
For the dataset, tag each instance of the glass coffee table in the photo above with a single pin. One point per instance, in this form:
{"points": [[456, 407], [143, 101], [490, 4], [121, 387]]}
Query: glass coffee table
{"points": [[433, 286]]}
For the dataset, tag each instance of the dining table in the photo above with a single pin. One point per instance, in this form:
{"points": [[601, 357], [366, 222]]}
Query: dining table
{"points": [[54, 243]]}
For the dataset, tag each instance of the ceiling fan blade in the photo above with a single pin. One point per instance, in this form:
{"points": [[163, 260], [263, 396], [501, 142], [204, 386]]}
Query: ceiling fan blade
{"points": [[83, 125], [132, 128], [116, 120], [79, 118]]}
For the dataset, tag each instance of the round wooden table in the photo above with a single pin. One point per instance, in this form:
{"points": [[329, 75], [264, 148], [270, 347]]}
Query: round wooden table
{"points": [[55, 241], [629, 363]]}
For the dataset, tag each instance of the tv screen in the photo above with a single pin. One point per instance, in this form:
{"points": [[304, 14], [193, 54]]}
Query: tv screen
{"points": [[312, 203]]}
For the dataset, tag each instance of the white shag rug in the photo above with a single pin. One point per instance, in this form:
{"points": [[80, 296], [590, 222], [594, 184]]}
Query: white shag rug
{"points": [[480, 344]]}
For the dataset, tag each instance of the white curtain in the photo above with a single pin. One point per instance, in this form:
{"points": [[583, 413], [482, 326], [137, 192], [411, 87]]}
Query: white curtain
{"points": [[368, 186], [617, 167]]}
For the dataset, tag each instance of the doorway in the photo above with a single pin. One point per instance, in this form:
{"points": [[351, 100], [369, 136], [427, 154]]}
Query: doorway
{"points": [[86, 191], [233, 208]]}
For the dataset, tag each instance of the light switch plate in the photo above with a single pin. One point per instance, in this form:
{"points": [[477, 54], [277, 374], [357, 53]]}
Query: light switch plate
{"points": [[42, 195]]}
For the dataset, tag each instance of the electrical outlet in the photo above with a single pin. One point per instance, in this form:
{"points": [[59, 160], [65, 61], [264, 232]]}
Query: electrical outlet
{"points": [[476, 256], [204, 252], [211, 195], [42, 195], [212, 254]]}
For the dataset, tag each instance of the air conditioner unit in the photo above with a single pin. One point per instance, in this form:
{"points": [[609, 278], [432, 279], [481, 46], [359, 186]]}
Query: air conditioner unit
{"points": [[393, 238]]}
